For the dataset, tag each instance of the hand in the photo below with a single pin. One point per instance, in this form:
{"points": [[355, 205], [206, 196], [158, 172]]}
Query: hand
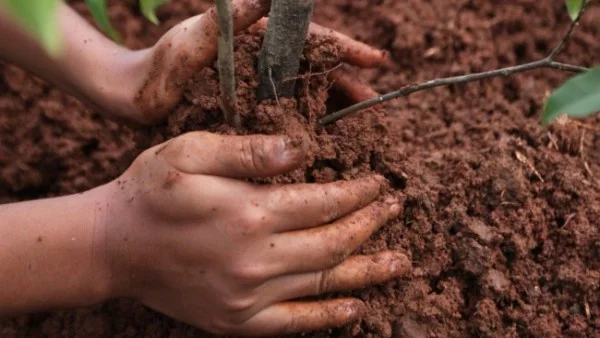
{"points": [[189, 239], [192, 45]]}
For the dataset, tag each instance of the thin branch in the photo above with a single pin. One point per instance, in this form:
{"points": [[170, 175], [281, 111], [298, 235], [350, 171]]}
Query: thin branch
{"points": [[569, 31], [310, 75], [226, 63], [413, 88], [547, 62]]}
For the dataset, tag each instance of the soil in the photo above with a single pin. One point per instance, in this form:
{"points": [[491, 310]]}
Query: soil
{"points": [[500, 214]]}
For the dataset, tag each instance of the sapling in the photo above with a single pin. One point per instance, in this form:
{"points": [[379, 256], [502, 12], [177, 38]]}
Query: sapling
{"points": [[282, 47], [284, 41]]}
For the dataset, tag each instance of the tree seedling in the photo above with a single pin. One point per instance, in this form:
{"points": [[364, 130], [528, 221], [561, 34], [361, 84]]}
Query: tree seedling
{"points": [[284, 39]]}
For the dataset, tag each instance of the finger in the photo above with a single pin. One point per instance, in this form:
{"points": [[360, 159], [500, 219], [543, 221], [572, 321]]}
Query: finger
{"points": [[301, 317], [182, 52], [324, 247], [233, 156], [303, 206], [351, 51], [350, 86], [196, 52], [354, 273]]}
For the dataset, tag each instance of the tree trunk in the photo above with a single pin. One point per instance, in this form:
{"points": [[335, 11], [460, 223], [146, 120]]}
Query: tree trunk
{"points": [[228, 99], [282, 47]]}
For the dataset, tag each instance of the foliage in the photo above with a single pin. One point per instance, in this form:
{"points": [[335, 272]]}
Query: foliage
{"points": [[38, 18], [98, 8], [574, 7], [149, 7], [99, 11], [580, 95]]}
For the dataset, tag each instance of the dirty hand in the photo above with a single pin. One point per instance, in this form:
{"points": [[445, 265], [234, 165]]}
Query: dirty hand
{"points": [[191, 240], [179, 54], [143, 86]]}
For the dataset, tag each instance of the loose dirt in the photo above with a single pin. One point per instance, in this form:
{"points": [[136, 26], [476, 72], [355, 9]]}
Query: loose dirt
{"points": [[500, 215]]}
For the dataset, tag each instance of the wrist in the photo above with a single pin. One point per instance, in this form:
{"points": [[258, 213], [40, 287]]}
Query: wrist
{"points": [[98, 71], [114, 82], [54, 253]]}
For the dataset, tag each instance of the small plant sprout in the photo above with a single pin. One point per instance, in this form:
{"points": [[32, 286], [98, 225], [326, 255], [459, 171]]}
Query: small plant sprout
{"points": [[39, 19], [580, 95], [99, 11], [574, 7]]}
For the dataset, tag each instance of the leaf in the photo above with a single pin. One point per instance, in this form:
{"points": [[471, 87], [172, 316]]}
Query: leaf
{"points": [[39, 18], [578, 97], [149, 7], [98, 8], [574, 7]]}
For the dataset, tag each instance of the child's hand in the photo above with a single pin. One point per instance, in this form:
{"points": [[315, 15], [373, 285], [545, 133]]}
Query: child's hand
{"points": [[143, 86], [189, 239], [192, 45]]}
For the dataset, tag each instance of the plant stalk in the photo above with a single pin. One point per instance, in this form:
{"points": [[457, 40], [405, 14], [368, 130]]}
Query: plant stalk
{"points": [[228, 98], [282, 47]]}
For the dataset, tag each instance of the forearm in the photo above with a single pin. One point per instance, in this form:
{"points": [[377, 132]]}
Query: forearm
{"points": [[93, 68], [51, 253]]}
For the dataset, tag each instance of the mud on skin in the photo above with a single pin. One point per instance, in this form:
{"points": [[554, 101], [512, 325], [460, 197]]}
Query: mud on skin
{"points": [[496, 251]]}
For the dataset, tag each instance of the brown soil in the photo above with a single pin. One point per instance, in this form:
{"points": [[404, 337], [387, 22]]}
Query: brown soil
{"points": [[500, 215]]}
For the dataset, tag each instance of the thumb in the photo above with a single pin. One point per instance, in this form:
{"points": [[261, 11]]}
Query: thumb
{"points": [[250, 156]]}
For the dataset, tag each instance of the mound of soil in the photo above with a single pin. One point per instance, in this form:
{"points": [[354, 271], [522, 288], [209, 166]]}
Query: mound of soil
{"points": [[500, 214]]}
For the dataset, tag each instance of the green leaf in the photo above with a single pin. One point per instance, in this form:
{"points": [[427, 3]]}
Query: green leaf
{"points": [[578, 97], [149, 7], [98, 8], [39, 18], [574, 7]]}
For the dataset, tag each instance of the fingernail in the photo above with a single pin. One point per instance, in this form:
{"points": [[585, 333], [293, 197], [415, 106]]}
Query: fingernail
{"points": [[395, 210], [381, 182], [391, 200], [291, 148], [355, 310], [399, 265], [379, 178]]}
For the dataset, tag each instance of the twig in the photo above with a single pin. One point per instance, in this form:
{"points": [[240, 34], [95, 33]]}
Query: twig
{"points": [[569, 31], [274, 88], [226, 63], [547, 62], [310, 74], [568, 220]]}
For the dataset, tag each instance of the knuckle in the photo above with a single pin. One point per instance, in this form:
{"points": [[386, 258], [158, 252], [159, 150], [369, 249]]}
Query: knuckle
{"points": [[252, 221], [292, 325], [324, 281], [185, 144], [286, 195], [238, 304], [336, 252], [329, 212], [246, 272], [252, 153]]}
